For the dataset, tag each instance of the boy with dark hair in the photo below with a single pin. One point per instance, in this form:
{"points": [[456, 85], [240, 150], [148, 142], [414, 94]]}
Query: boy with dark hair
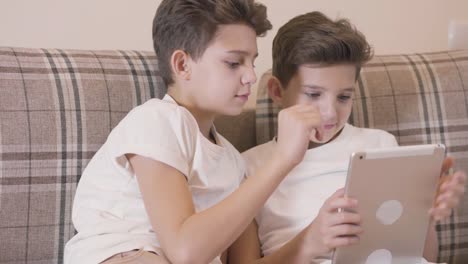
{"points": [[316, 62], [165, 186]]}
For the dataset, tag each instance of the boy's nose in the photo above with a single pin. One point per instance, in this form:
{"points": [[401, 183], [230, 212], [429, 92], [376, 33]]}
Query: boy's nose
{"points": [[249, 77], [328, 112]]}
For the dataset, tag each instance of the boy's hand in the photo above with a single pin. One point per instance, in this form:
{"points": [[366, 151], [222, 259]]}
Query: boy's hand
{"points": [[450, 191], [295, 126], [333, 228]]}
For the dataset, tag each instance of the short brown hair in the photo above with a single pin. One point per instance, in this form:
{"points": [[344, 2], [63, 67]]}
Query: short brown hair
{"points": [[190, 25], [313, 38]]}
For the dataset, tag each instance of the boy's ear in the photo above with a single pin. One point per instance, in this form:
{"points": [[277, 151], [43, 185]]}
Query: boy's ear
{"points": [[275, 90], [180, 64]]}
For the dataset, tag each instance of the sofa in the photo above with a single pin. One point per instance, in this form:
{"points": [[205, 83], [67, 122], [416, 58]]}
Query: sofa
{"points": [[58, 106]]}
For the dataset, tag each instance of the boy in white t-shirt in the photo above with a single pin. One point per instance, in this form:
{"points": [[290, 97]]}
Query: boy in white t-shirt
{"points": [[316, 61], [164, 187]]}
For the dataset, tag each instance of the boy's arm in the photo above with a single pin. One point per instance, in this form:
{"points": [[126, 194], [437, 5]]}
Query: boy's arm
{"points": [[450, 191], [189, 237], [193, 237], [330, 229], [246, 250]]}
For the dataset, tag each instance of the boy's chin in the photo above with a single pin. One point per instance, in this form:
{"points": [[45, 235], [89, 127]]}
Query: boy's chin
{"points": [[232, 112], [318, 138]]}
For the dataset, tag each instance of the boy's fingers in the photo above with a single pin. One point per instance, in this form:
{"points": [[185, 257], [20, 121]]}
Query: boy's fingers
{"points": [[460, 177], [454, 185], [312, 121], [344, 217], [447, 203], [341, 202], [338, 193], [455, 193], [446, 165], [452, 182], [440, 214], [305, 108], [345, 230], [344, 241], [449, 199], [450, 202], [451, 189], [337, 201]]}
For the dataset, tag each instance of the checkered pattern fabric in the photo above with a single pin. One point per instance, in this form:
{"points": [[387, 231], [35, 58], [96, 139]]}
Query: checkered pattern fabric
{"points": [[57, 108], [419, 98]]}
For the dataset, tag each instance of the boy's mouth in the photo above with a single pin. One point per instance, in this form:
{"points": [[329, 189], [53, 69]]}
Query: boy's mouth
{"points": [[243, 97]]}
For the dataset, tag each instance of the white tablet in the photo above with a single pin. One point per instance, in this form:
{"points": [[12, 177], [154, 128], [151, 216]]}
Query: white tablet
{"points": [[395, 188]]}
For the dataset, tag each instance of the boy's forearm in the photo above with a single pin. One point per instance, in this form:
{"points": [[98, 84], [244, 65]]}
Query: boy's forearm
{"points": [[293, 252], [217, 227], [289, 253], [431, 246]]}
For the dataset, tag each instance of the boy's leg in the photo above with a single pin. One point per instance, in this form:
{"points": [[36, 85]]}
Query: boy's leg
{"points": [[136, 257]]}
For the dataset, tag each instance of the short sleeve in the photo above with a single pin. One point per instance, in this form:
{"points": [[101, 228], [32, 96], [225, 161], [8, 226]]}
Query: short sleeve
{"points": [[157, 130]]}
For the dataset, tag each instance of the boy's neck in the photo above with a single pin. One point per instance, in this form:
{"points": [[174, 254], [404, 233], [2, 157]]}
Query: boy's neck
{"points": [[204, 120]]}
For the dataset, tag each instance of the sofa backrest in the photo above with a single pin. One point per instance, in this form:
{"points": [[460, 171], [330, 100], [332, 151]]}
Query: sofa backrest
{"points": [[419, 98], [57, 108]]}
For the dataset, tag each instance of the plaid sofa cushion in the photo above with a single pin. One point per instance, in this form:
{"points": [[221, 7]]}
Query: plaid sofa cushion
{"points": [[419, 98], [57, 107]]}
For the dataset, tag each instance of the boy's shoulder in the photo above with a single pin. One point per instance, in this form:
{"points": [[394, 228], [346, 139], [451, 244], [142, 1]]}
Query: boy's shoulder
{"points": [[369, 131], [159, 121], [165, 106], [372, 136], [162, 111]]}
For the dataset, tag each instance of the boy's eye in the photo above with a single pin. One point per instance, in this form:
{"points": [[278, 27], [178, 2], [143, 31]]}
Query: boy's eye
{"points": [[232, 64], [344, 97], [313, 95]]}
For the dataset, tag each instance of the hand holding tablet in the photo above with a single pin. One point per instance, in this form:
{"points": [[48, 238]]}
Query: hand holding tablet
{"points": [[395, 188]]}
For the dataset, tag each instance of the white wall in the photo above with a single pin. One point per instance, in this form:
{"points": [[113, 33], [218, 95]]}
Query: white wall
{"points": [[392, 26]]}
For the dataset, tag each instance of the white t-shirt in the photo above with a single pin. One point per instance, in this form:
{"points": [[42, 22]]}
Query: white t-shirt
{"points": [[108, 210], [299, 197]]}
